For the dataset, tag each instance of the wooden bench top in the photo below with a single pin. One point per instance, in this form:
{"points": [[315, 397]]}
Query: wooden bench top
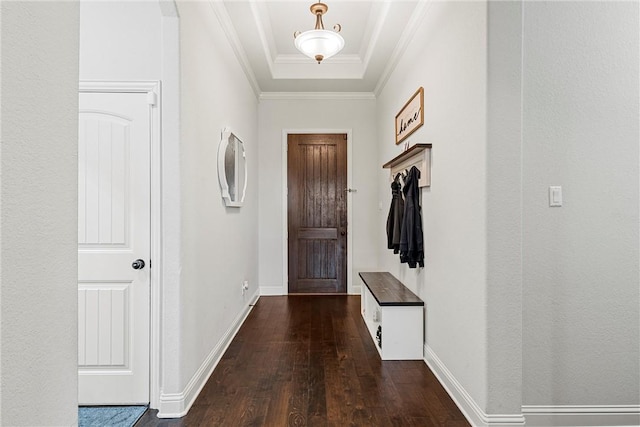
{"points": [[388, 290]]}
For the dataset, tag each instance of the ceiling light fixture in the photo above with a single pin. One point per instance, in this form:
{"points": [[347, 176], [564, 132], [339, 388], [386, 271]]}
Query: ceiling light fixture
{"points": [[319, 43]]}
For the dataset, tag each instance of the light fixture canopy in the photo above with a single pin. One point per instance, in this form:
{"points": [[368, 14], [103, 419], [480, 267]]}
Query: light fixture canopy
{"points": [[319, 43]]}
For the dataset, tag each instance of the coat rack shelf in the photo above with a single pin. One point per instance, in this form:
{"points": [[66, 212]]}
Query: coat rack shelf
{"points": [[419, 156]]}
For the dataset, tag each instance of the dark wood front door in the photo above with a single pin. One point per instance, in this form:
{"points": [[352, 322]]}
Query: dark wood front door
{"points": [[317, 213]]}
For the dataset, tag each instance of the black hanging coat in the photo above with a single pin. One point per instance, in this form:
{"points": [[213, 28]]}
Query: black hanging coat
{"points": [[394, 220], [411, 240]]}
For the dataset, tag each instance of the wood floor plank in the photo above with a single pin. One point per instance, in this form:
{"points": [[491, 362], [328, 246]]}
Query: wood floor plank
{"points": [[317, 405], [278, 411], [310, 361]]}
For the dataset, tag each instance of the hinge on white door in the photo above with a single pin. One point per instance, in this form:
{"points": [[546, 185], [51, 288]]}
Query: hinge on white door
{"points": [[152, 98]]}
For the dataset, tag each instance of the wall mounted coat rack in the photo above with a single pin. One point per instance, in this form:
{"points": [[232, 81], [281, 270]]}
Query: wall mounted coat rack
{"points": [[419, 156]]}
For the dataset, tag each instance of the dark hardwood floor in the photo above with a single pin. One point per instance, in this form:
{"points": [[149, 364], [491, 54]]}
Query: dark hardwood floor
{"points": [[310, 361]]}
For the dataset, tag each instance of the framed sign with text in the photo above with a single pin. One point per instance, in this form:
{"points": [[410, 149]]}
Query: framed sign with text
{"points": [[410, 117]]}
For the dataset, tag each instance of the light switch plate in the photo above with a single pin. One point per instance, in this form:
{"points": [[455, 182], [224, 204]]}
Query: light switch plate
{"points": [[555, 196]]}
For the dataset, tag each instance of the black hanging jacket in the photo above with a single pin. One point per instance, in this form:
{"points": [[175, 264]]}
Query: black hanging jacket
{"points": [[411, 243], [394, 220]]}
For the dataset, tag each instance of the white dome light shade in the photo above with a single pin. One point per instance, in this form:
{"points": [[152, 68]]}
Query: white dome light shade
{"points": [[319, 44]]}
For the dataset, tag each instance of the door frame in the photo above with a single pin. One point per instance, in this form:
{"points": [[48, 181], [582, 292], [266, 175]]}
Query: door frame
{"points": [[285, 205], [153, 90]]}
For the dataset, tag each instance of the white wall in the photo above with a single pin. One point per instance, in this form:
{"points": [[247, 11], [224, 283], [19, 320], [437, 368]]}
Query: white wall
{"points": [[208, 249], [120, 40], [581, 261], [504, 212], [489, 256], [38, 216], [449, 59], [133, 41], [576, 279], [527, 303], [219, 244], [277, 115]]}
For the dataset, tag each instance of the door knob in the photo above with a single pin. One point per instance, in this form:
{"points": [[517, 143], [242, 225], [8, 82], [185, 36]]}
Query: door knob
{"points": [[138, 264], [342, 233]]}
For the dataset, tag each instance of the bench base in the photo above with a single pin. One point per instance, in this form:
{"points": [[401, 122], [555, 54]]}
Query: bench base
{"points": [[401, 325]]}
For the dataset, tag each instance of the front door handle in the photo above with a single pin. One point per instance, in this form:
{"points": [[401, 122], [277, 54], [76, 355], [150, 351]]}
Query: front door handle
{"points": [[138, 264]]}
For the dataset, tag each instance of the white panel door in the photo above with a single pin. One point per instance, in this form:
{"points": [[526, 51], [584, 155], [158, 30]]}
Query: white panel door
{"points": [[113, 232]]}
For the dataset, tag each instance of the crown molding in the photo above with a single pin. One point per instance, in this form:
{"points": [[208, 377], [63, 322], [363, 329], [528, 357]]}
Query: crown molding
{"points": [[259, 9], [403, 43], [368, 96], [375, 34], [301, 59], [293, 66], [221, 13]]}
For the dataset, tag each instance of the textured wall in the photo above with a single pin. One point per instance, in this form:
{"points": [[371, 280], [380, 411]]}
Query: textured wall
{"points": [[38, 219], [120, 40], [129, 40], [581, 272], [448, 58], [357, 115], [219, 244], [504, 208]]}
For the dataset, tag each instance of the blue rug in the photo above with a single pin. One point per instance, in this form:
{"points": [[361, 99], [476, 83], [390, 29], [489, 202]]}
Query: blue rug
{"points": [[109, 416]]}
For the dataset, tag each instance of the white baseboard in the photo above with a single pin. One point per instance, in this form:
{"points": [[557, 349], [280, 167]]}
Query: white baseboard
{"points": [[582, 415], [176, 405], [467, 405], [272, 290]]}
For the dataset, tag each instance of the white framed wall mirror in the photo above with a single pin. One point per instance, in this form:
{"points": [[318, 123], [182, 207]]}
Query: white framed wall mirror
{"points": [[232, 169]]}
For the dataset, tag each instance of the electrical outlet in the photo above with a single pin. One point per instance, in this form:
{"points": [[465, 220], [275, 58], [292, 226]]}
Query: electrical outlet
{"points": [[245, 286]]}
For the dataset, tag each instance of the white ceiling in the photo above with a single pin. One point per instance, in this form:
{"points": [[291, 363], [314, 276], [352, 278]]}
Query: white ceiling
{"points": [[375, 33]]}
